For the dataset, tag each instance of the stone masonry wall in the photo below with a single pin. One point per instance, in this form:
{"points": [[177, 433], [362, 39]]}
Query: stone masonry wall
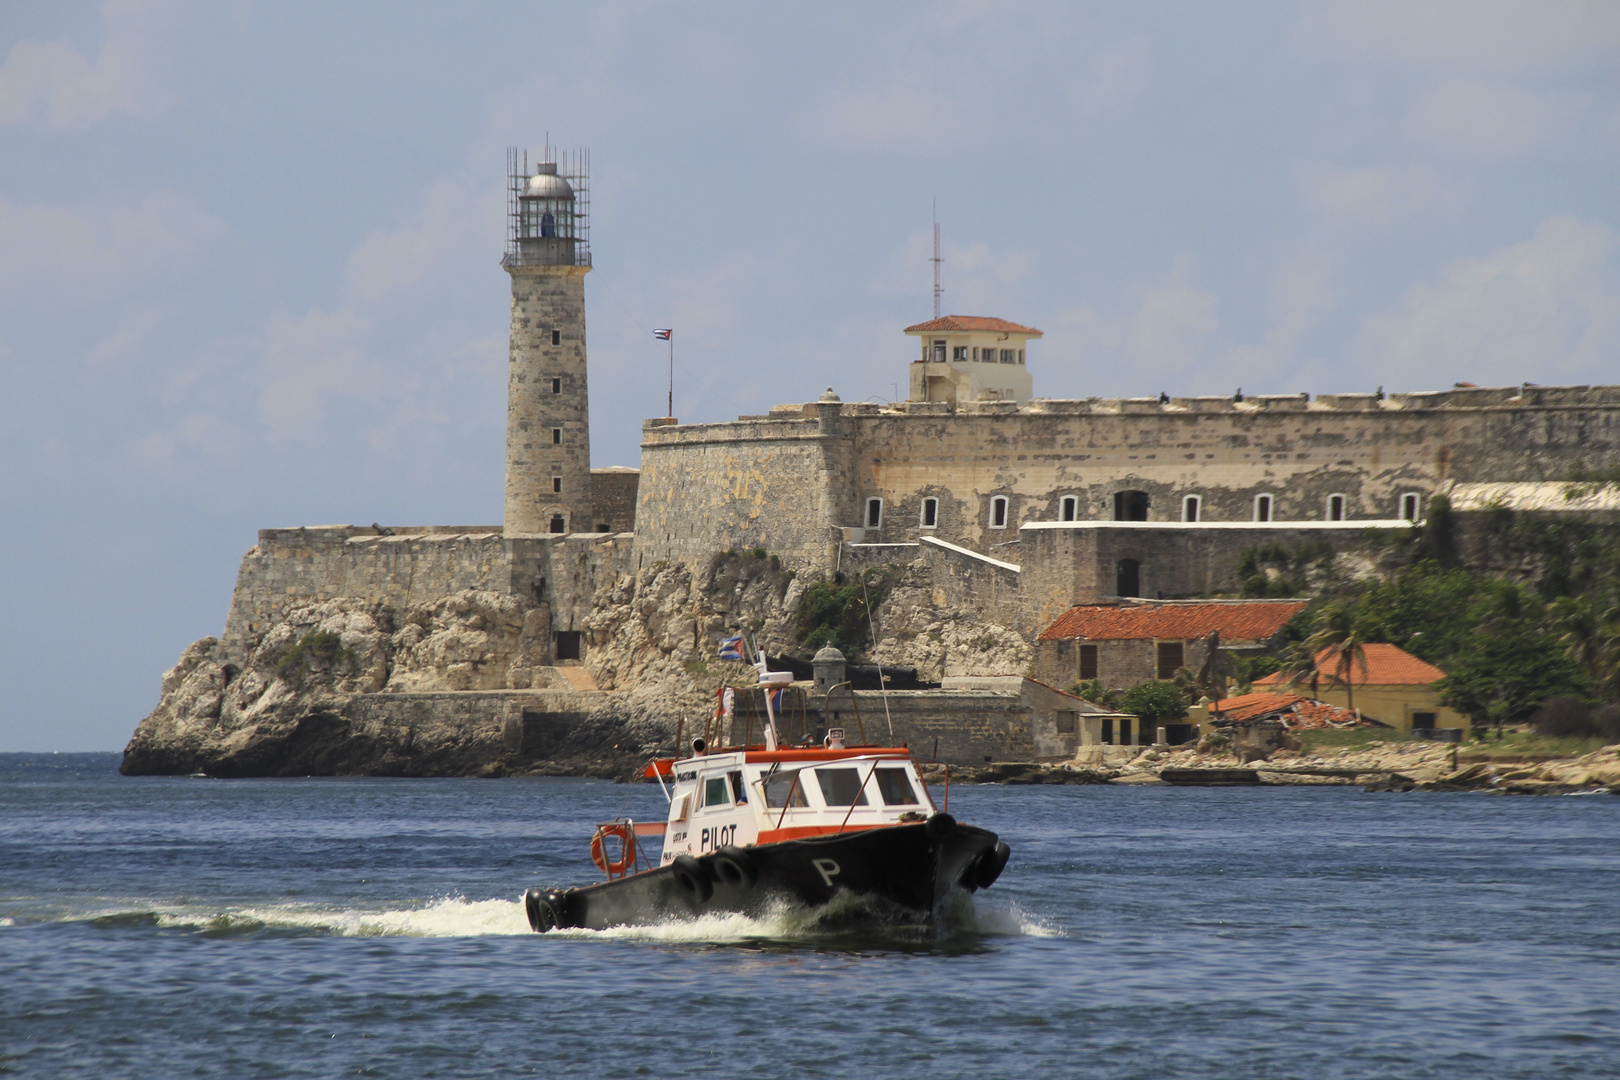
{"points": [[785, 479]]}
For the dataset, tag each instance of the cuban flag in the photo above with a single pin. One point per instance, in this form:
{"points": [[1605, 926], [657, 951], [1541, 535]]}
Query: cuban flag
{"points": [[663, 335], [731, 648]]}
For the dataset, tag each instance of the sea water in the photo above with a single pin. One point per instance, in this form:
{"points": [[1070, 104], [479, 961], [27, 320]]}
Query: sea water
{"points": [[166, 927]]}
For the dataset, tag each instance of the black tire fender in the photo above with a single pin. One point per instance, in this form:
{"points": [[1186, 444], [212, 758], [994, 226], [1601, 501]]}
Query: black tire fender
{"points": [[692, 878], [541, 907], [735, 867], [988, 867], [940, 826]]}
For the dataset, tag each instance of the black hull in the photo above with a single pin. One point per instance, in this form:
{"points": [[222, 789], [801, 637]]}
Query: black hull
{"points": [[907, 868]]}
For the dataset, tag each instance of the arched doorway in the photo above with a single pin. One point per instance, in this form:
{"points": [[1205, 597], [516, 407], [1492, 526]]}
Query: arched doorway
{"points": [[1130, 506]]}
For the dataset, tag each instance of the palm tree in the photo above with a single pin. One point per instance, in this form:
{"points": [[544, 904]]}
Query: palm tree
{"points": [[1337, 643]]}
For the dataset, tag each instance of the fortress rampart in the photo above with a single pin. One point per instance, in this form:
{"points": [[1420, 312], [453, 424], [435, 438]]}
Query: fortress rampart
{"points": [[794, 480]]}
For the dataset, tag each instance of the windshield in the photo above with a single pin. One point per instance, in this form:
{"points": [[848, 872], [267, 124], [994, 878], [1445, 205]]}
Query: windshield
{"points": [[841, 787], [779, 785]]}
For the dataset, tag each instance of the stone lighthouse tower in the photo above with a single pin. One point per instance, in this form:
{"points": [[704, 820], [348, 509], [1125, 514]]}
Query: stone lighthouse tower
{"points": [[548, 438]]}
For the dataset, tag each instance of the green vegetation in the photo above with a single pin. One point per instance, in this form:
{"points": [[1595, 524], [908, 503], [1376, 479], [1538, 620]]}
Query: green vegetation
{"points": [[319, 648], [1156, 699], [1095, 692], [1277, 570], [837, 614], [1518, 609]]}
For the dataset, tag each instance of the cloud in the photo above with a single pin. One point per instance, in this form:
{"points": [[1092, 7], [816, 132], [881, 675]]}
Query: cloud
{"points": [[55, 85], [1544, 310], [1497, 119], [1377, 194], [1483, 37], [308, 359], [393, 261], [1165, 332]]}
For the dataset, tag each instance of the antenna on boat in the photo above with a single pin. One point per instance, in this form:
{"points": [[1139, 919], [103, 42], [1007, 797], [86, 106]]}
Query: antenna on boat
{"points": [[767, 683]]}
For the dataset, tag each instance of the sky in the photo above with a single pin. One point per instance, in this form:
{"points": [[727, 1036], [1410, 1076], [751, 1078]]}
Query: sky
{"points": [[249, 252]]}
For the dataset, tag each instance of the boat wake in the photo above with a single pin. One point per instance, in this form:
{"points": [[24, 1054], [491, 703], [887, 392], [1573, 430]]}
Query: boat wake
{"points": [[847, 919]]}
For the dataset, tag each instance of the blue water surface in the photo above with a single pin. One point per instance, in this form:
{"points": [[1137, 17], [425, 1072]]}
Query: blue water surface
{"points": [[158, 927]]}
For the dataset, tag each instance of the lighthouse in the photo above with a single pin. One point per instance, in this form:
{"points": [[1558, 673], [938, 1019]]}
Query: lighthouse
{"points": [[548, 437]]}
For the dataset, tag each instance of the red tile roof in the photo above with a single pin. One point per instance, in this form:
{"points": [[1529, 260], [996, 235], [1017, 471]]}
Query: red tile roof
{"points": [[973, 322], [1294, 710], [1387, 665], [1254, 620]]}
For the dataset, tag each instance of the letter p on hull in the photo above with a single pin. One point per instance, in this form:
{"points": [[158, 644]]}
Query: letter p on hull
{"points": [[827, 868]]}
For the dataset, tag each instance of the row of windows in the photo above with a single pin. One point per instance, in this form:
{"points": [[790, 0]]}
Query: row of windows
{"points": [[963, 353], [1128, 509], [1169, 658]]}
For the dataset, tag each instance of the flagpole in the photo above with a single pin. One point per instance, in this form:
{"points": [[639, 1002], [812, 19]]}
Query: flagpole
{"points": [[671, 405]]}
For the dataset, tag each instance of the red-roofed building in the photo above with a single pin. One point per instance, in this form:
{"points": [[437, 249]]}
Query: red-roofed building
{"points": [[1134, 641], [1393, 687], [971, 358]]}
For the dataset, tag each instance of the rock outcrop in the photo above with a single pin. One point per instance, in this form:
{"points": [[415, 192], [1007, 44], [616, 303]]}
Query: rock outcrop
{"points": [[458, 685]]}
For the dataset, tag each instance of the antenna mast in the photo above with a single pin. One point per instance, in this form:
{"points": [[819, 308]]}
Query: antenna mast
{"points": [[936, 260]]}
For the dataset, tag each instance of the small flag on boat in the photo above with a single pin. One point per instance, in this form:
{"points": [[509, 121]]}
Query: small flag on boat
{"points": [[731, 648], [663, 335]]}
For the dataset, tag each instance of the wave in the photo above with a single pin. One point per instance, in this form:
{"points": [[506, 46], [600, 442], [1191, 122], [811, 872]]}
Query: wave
{"points": [[453, 917]]}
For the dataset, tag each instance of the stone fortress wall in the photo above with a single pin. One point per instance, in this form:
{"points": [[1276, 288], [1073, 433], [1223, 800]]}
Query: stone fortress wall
{"points": [[796, 480]]}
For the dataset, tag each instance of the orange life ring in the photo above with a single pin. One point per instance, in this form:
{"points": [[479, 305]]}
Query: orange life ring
{"points": [[626, 832]]}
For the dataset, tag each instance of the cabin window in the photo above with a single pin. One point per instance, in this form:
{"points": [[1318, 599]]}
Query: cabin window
{"points": [[1262, 508], [1065, 722], [998, 512], [716, 792], [1411, 504], [841, 787], [1088, 662], [1070, 508], [738, 792], [895, 788], [930, 513], [1171, 658], [874, 513], [1335, 508], [785, 789], [1190, 507]]}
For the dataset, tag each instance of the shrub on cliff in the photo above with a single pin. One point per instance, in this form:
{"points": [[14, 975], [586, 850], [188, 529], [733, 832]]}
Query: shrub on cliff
{"points": [[317, 650], [838, 615]]}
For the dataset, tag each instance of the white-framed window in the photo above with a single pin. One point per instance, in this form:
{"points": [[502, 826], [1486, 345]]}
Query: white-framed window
{"points": [[930, 513], [1069, 508], [1262, 508], [874, 513], [939, 352], [998, 512], [1336, 505], [959, 352], [1191, 506], [1411, 506]]}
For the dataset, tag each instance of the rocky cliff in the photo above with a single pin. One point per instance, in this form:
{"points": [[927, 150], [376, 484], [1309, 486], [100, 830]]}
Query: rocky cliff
{"points": [[457, 685]]}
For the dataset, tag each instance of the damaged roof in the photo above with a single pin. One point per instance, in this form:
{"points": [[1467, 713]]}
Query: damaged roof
{"points": [[1254, 620], [1294, 710]]}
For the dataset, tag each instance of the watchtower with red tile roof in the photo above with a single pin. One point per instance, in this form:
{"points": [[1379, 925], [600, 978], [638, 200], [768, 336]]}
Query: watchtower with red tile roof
{"points": [[971, 358]]}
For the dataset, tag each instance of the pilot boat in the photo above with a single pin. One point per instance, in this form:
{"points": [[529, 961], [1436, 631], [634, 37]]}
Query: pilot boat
{"points": [[750, 826]]}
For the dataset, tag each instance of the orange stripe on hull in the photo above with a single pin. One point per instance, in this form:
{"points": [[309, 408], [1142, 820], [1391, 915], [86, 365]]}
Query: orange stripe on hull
{"points": [[799, 832]]}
